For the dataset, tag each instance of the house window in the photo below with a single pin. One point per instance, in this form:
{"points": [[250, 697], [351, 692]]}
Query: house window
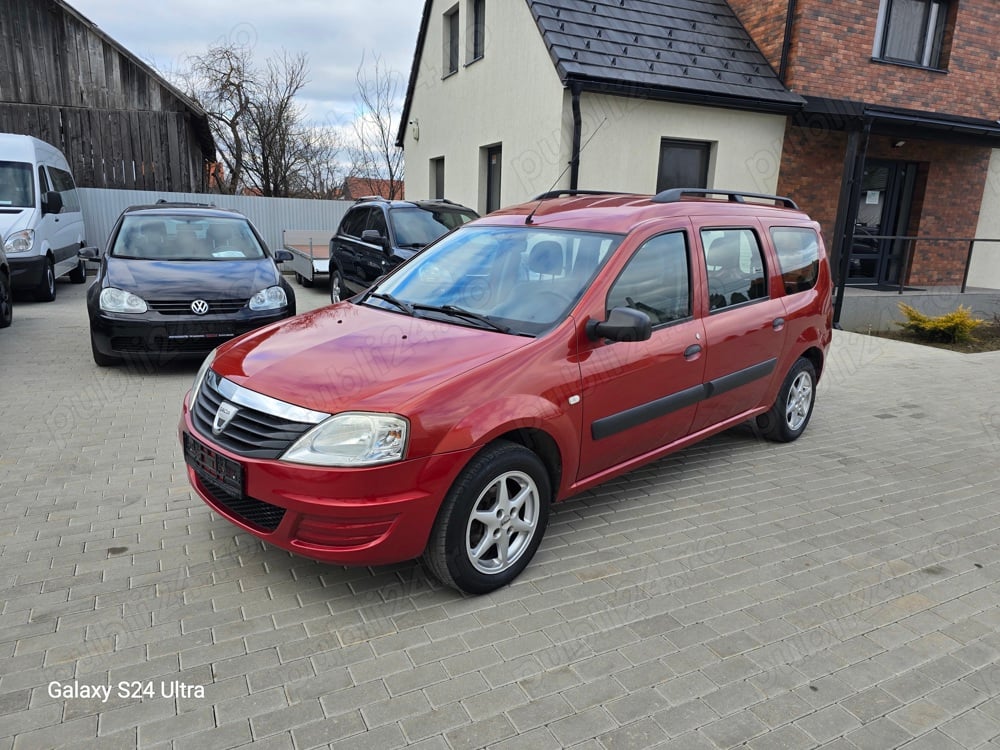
{"points": [[911, 31], [451, 41], [477, 29], [683, 164], [437, 177]]}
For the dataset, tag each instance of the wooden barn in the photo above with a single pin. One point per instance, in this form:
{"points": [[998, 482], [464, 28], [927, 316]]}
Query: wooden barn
{"points": [[119, 123]]}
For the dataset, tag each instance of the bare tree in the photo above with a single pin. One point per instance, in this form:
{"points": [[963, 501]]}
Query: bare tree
{"points": [[265, 144], [375, 158]]}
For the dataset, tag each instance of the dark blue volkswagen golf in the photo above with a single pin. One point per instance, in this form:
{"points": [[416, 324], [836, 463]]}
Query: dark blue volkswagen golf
{"points": [[178, 279]]}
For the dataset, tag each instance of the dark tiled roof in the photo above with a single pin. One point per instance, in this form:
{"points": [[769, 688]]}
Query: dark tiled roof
{"points": [[661, 47]]}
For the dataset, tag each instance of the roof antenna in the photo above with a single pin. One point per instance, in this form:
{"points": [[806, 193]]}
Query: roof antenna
{"points": [[543, 196]]}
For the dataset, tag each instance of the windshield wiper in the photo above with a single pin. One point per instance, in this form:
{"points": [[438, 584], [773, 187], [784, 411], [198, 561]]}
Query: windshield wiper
{"points": [[460, 312], [404, 306]]}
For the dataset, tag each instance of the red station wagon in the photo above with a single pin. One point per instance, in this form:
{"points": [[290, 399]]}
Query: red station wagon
{"points": [[521, 359]]}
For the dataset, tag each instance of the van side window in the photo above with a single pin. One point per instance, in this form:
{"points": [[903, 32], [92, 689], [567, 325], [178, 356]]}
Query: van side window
{"points": [[656, 280], [62, 181], [735, 265], [798, 257]]}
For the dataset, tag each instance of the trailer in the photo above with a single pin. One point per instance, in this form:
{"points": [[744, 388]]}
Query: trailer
{"points": [[310, 251]]}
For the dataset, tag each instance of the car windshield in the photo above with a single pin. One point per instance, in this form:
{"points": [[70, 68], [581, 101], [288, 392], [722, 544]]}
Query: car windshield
{"points": [[521, 280], [17, 187], [169, 237], [418, 226]]}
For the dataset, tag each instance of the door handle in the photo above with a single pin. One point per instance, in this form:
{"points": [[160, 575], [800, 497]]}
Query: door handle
{"points": [[778, 323], [692, 351]]}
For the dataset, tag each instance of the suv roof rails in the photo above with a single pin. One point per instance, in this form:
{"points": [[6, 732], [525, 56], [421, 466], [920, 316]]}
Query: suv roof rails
{"points": [[365, 198], [560, 193], [186, 204], [733, 196]]}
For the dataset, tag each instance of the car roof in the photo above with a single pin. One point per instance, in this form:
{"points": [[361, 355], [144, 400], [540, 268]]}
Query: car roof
{"points": [[620, 213], [167, 208]]}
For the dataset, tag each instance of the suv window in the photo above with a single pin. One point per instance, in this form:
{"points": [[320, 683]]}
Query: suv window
{"points": [[376, 221], [656, 280], [798, 257], [354, 222], [417, 226], [735, 267]]}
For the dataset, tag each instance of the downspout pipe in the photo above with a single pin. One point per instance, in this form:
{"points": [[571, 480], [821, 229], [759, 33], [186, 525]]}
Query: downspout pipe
{"points": [[786, 44], [574, 159]]}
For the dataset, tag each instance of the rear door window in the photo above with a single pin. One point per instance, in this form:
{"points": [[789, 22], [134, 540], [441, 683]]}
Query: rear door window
{"points": [[735, 265]]}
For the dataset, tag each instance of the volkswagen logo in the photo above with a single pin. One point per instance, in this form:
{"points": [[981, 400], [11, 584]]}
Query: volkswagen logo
{"points": [[223, 417], [199, 307]]}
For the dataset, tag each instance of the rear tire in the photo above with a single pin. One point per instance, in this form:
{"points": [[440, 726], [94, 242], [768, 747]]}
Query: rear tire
{"points": [[788, 418], [336, 285], [46, 289], [492, 520], [79, 274]]}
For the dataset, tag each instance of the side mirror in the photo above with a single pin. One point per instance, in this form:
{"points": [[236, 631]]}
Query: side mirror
{"points": [[89, 253], [281, 256], [623, 324], [374, 237], [52, 202]]}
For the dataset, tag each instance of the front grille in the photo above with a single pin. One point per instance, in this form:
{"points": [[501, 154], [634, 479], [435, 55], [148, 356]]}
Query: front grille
{"points": [[251, 432], [254, 512], [183, 307]]}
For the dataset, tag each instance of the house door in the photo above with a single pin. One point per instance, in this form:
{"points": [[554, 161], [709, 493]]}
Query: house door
{"points": [[494, 157], [883, 211]]}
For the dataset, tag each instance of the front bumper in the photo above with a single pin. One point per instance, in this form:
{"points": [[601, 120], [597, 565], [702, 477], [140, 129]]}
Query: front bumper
{"points": [[122, 335], [26, 271], [367, 516]]}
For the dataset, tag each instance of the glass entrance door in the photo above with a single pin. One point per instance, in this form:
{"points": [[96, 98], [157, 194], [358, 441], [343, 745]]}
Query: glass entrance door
{"points": [[883, 212]]}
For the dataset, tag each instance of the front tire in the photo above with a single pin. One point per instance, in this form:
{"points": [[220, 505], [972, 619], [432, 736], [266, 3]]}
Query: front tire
{"points": [[336, 285], [788, 418], [491, 521], [101, 359], [79, 274], [46, 289], [6, 301]]}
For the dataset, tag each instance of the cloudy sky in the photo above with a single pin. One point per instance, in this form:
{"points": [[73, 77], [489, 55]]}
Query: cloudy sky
{"points": [[333, 33]]}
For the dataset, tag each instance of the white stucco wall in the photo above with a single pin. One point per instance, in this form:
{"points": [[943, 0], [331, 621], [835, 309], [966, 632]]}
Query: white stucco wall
{"points": [[624, 152], [985, 269], [513, 96]]}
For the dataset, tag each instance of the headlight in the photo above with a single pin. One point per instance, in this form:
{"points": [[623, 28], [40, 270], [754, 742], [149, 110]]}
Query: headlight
{"points": [[202, 372], [269, 299], [352, 439], [20, 242], [120, 301]]}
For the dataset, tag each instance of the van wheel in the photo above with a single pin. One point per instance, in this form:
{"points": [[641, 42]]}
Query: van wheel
{"points": [[46, 289], [6, 301], [79, 274], [491, 521], [303, 280], [788, 418]]}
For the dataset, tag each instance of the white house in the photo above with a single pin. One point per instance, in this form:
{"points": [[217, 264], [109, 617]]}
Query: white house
{"points": [[511, 98]]}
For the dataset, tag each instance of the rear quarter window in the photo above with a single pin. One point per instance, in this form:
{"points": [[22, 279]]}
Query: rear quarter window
{"points": [[798, 257]]}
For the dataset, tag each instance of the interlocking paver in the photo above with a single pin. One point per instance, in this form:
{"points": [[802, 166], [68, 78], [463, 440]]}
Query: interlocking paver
{"points": [[838, 592]]}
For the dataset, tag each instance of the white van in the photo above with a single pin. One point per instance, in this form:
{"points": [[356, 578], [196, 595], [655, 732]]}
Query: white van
{"points": [[41, 224]]}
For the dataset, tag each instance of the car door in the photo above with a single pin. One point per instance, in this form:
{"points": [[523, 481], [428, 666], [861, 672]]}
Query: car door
{"points": [[744, 322], [346, 245], [47, 231], [372, 257], [639, 396]]}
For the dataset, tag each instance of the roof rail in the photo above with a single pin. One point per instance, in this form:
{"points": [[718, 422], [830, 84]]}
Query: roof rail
{"points": [[165, 202], [560, 193], [733, 196], [364, 198]]}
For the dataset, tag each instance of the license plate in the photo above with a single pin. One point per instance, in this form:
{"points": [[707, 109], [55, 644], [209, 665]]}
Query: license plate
{"points": [[213, 464]]}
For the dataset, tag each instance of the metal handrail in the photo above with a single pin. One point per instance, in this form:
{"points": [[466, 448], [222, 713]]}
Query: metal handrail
{"points": [[908, 252]]}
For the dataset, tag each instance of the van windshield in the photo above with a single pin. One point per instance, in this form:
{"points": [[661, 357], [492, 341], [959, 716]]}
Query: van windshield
{"points": [[17, 184]]}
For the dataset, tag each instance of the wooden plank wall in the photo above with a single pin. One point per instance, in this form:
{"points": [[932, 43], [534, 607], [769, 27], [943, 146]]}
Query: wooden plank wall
{"points": [[118, 125]]}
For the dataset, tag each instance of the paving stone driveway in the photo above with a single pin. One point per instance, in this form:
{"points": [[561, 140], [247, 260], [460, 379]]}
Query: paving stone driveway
{"points": [[838, 592]]}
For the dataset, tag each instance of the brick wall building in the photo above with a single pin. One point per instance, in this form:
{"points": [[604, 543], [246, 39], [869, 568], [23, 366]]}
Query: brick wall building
{"points": [[898, 129]]}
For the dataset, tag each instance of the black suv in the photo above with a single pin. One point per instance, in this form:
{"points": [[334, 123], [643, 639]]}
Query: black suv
{"points": [[376, 235]]}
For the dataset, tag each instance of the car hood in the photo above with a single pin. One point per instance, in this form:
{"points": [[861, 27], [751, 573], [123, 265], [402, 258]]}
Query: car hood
{"points": [[351, 357], [184, 279], [12, 220]]}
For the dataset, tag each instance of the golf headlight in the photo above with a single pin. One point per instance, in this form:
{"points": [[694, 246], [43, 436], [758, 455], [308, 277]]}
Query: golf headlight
{"points": [[352, 439], [120, 301], [272, 298], [19, 242]]}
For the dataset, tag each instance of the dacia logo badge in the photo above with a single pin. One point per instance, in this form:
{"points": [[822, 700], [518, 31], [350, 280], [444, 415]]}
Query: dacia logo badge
{"points": [[223, 417]]}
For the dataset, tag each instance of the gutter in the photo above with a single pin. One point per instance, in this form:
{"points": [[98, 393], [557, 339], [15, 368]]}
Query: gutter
{"points": [[574, 159], [786, 45]]}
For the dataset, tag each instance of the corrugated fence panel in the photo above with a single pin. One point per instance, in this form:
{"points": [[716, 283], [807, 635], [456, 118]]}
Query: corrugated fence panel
{"points": [[271, 216]]}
